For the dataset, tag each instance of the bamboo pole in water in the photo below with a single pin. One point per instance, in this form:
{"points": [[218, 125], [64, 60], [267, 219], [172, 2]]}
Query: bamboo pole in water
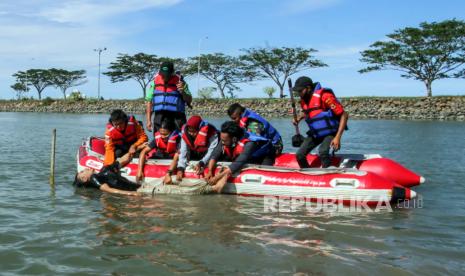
{"points": [[52, 158]]}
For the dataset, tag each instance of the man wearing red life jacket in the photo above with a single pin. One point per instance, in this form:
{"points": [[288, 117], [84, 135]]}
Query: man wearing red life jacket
{"points": [[239, 147], [167, 98], [165, 145], [199, 139], [325, 117], [123, 135]]}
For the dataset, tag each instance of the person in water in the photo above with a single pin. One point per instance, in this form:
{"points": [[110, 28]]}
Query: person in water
{"points": [[239, 147], [108, 179], [123, 135], [325, 117], [167, 97], [165, 145], [252, 122], [199, 139]]}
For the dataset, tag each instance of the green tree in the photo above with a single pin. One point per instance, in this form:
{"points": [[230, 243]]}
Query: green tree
{"points": [[181, 65], [142, 67], [280, 63], [64, 79], [269, 91], [20, 88], [206, 92], [139, 67], [39, 78], [224, 71], [428, 53]]}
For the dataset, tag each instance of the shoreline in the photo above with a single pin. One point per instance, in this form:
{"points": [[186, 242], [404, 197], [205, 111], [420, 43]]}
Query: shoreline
{"points": [[439, 108]]}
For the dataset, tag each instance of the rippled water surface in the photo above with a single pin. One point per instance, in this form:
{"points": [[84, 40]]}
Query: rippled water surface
{"points": [[63, 231]]}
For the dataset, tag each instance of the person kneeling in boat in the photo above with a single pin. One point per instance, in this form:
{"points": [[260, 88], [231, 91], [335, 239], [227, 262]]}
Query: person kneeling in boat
{"points": [[199, 139], [252, 122], [239, 147], [123, 135], [325, 117], [165, 145], [108, 179]]}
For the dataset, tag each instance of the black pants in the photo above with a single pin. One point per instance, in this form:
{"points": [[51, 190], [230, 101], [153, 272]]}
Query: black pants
{"points": [[178, 118], [121, 150], [309, 144], [269, 159]]}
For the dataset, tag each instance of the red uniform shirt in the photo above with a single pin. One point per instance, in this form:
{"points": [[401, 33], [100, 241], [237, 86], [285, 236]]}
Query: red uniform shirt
{"points": [[330, 102]]}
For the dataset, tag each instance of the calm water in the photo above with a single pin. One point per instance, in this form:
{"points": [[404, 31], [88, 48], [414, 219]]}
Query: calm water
{"points": [[63, 231]]}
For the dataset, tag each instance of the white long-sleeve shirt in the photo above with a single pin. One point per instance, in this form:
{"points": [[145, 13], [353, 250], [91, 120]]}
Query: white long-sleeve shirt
{"points": [[185, 152]]}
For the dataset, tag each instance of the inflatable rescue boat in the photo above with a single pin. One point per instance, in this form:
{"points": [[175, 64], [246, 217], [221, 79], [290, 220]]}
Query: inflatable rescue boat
{"points": [[370, 179]]}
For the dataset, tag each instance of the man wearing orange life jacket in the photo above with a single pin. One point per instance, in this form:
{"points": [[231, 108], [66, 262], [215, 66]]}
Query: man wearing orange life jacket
{"points": [[199, 139], [325, 117], [168, 99], [123, 135], [239, 147], [165, 145]]}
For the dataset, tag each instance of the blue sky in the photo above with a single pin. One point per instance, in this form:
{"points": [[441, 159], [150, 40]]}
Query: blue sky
{"points": [[63, 34]]}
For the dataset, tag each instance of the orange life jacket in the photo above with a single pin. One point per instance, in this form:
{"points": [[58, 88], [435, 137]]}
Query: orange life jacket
{"points": [[129, 135], [170, 147], [233, 152], [201, 141], [264, 148], [169, 87]]}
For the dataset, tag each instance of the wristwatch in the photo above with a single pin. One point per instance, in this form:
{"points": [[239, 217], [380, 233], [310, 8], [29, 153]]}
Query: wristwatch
{"points": [[169, 172]]}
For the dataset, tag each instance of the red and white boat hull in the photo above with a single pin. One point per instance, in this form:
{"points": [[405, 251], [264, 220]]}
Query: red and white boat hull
{"points": [[336, 185]]}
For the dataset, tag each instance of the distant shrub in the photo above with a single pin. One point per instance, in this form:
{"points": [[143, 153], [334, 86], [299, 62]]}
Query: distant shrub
{"points": [[269, 91], [76, 96], [206, 93], [47, 101]]}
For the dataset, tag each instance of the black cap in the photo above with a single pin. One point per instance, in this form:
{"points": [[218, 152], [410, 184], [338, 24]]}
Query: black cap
{"points": [[167, 68], [301, 83]]}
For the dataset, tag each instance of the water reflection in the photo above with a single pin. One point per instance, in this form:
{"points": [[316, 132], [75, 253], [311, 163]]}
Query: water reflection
{"points": [[83, 231]]}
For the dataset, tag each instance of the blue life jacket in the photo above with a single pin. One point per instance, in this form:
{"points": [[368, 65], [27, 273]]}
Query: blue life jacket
{"points": [[265, 145], [167, 97], [269, 131], [323, 124]]}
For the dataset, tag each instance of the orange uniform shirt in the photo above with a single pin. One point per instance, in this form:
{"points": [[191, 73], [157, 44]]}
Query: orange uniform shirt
{"points": [[110, 146]]}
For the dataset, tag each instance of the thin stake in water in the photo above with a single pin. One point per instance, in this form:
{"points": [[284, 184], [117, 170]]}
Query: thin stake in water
{"points": [[52, 158]]}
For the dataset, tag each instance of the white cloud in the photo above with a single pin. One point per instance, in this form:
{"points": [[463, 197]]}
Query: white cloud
{"points": [[63, 34], [91, 11], [341, 51]]}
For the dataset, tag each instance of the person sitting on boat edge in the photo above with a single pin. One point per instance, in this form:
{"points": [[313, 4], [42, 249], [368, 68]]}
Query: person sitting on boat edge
{"points": [[325, 117], [165, 145], [252, 122], [240, 147], [168, 96], [123, 135], [199, 139], [108, 179]]}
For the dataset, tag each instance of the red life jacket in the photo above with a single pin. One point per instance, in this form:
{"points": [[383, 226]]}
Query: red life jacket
{"points": [[315, 105], [201, 141], [320, 121], [170, 147], [169, 87], [233, 152], [129, 135]]}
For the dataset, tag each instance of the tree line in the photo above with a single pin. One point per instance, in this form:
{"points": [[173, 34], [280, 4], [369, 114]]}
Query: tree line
{"points": [[427, 53]]}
